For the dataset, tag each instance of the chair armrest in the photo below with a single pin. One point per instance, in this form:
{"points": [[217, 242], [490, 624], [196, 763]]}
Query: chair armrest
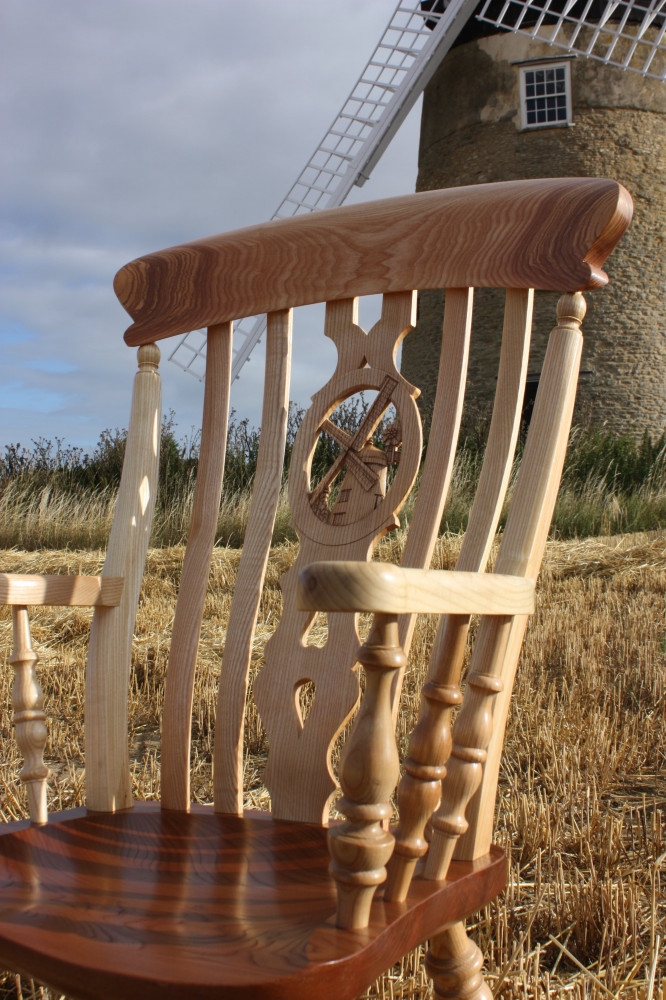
{"points": [[388, 589], [73, 591]]}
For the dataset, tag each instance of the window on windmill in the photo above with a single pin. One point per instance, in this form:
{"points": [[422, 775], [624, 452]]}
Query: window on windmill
{"points": [[545, 95]]}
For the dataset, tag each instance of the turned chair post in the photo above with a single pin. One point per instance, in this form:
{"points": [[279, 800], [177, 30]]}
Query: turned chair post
{"points": [[108, 784], [29, 717], [455, 965], [369, 772]]}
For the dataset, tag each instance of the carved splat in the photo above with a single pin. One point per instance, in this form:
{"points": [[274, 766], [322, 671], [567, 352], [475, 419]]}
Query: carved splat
{"points": [[342, 516]]}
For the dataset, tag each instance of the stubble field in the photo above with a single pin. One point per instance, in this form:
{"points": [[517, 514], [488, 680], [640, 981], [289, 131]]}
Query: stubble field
{"points": [[582, 799]]}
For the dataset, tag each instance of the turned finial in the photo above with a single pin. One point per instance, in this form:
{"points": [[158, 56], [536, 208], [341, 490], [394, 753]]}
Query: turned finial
{"points": [[571, 309], [149, 357]]}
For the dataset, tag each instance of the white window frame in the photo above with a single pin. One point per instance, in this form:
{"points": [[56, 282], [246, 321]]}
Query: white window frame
{"points": [[564, 78]]}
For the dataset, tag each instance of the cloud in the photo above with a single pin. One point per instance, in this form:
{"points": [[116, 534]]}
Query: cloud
{"points": [[134, 125]]}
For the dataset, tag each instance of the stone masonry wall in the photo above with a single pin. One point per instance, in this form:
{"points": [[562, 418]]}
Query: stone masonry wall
{"points": [[471, 133]]}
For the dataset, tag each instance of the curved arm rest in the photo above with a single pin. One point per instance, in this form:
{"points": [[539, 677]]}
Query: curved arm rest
{"points": [[381, 587], [72, 591]]}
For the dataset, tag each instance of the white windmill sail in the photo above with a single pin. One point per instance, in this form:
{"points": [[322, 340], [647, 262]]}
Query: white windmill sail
{"points": [[628, 33], [407, 56], [625, 33]]}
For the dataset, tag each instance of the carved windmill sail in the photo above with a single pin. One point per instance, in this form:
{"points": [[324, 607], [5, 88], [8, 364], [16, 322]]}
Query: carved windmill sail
{"points": [[624, 33]]}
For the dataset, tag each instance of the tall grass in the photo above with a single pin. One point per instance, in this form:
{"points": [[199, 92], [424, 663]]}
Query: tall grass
{"points": [[55, 497]]}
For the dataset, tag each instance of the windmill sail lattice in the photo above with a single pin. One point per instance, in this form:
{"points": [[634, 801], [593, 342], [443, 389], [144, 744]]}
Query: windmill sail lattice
{"points": [[408, 54], [628, 34], [625, 33]]}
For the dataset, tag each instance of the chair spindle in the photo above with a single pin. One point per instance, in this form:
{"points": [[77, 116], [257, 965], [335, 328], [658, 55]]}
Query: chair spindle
{"points": [[369, 772], [419, 791], [495, 652], [29, 717]]}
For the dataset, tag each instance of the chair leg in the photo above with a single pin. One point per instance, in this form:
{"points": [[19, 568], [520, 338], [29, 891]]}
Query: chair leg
{"points": [[455, 963]]}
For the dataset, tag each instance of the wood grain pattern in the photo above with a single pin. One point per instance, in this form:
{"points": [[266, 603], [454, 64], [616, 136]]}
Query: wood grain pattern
{"points": [[69, 591], [228, 752], [369, 772], [551, 234], [438, 464], [155, 905], [29, 717], [455, 964], [419, 791], [107, 675], [526, 531], [382, 587], [179, 691], [171, 900], [299, 775]]}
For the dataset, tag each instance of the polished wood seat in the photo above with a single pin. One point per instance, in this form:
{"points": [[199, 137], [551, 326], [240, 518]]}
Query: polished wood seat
{"points": [[166, 905], [173, 900]]}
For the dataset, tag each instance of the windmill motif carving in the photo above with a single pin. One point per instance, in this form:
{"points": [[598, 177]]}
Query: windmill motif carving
{"points": [[366, 464]]}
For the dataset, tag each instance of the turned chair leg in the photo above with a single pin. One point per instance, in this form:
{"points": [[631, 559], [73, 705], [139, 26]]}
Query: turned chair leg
{"points": [[454, 962]]}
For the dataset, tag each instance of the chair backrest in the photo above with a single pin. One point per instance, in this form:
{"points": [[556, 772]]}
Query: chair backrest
{"points": [[550, 234]]}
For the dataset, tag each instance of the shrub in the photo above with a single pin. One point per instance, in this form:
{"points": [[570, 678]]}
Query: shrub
{"points": [[54, 493]]}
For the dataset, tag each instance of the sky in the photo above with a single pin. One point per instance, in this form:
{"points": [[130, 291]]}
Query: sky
{"points": [[132, 125]]}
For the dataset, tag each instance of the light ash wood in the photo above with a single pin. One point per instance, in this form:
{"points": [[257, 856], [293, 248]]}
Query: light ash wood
{"points": [[419, 791], [107, 676], [69, 591], [179, 692], [382, 587], [491, 669], [526, 531], [518, 234], [299, 775], [29, 718], [454, 962], [369, 772], [228, 752], [438, 465], [503, 432]]}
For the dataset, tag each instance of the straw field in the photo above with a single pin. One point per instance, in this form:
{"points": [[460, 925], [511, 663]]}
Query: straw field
{"points": [[582, 798]]}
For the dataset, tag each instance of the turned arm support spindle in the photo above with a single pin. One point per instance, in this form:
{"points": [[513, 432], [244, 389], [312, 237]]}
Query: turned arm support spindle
{"points": [[420, 788], [391, 590], [520, 553], [29, 718], [361, 846], [471, 737]]}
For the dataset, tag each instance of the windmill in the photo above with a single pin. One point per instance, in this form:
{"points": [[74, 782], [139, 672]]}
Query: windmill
{"points": [[415, 46]]}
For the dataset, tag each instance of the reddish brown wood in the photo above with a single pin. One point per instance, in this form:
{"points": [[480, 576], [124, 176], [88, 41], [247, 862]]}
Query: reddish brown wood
{"points": [[154, 904], [553, 234]]}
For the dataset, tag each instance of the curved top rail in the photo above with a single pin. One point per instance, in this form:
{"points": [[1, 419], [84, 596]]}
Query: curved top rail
{"points": [[551, 234]]}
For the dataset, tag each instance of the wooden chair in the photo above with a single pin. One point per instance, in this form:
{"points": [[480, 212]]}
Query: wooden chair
{"points": [[142, 901]]}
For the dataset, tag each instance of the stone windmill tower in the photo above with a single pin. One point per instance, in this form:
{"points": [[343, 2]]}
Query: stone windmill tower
{"points": [[518, 88], [505, 105]]}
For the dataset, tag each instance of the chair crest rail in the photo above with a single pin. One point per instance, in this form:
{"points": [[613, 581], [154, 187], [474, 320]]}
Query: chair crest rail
{"points": [[552, 234]]}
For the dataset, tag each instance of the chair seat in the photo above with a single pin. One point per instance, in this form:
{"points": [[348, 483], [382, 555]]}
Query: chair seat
{"points": [[148, 903]]}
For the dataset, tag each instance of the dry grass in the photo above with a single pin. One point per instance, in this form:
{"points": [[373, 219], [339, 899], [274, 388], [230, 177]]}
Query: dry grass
{"points": [[583, 784]]}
